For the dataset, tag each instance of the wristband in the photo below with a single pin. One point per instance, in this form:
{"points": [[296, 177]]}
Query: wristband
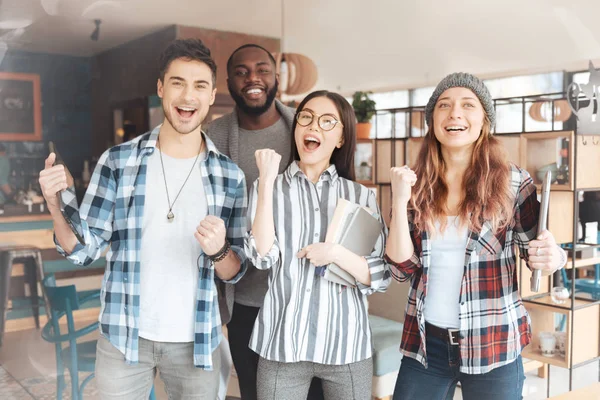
{"points": [[221, 254]]}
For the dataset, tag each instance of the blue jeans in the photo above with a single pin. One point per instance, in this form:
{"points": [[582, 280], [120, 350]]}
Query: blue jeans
{"points": [[438, 382]]}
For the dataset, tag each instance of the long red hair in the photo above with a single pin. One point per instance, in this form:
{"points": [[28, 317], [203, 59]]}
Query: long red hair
{"points": [[485, 188]]}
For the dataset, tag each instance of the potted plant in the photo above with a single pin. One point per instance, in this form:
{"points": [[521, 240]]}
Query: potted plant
{"points": [[364, 109]]}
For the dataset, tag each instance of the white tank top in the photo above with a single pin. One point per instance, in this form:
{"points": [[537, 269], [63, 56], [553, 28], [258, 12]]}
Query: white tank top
{"points": [[445, 274]]}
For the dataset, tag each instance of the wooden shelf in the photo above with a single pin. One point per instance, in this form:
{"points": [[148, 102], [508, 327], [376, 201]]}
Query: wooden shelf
{"points": [[545, 302], [579, 348], [556, 186], [546, 150], [582, 262], [533, 354]]}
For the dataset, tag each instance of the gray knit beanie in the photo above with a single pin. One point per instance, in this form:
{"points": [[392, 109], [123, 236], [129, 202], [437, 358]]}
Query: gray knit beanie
{"points": [[466, 80]]}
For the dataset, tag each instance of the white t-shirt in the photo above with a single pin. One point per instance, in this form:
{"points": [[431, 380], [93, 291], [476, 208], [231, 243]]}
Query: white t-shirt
{"points": [[169, 252], [445, 274]]}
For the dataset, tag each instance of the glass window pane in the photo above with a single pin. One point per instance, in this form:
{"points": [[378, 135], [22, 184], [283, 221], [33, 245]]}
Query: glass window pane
{"points": [[383, 125], [400, 124], [394, 99], [509, 117], [526, 85], [419, 97]]}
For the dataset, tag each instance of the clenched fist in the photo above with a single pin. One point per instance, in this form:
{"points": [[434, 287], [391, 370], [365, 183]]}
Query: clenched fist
{"points": [[211, 235], [53, 179], [403, 179], [267, 161]]}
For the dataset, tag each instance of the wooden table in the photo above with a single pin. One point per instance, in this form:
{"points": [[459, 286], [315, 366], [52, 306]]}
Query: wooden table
{"points": [[591, 392], [26, 218], [43, 239]]}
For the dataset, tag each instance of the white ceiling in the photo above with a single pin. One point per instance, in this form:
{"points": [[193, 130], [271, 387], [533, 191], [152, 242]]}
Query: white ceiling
{"points": [[356, 44]]}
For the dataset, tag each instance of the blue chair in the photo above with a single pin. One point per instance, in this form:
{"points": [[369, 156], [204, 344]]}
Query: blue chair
{"points": [[76, 357], [585, 285]]}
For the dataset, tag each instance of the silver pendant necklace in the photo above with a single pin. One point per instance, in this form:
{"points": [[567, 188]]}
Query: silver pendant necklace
{"points": [[170, 215]]}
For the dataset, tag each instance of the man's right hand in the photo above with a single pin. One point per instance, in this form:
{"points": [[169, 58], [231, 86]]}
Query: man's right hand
{"points": [[267, 161], [53, 178]]}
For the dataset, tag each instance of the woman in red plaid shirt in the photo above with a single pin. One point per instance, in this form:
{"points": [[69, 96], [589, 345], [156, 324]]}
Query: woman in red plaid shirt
{"points": [[455, 222]]}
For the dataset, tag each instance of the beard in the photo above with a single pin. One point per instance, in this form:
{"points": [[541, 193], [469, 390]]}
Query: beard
{"points": [[254, 110]]}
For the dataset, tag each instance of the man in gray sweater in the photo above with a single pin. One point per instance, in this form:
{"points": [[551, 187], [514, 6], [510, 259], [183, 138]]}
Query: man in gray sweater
{"points": [[258, 121]]}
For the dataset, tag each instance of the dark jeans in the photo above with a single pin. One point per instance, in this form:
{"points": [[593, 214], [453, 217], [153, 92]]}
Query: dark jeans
{"points": [[438, 382], [245, 360]]}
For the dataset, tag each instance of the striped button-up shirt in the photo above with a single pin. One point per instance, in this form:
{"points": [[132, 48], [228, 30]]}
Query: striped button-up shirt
{"points": [[305, 317], [494, 325], [111, 216]]}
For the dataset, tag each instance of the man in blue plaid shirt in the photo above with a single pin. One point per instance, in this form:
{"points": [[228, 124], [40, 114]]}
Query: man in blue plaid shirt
{"points": [[171, 210]]}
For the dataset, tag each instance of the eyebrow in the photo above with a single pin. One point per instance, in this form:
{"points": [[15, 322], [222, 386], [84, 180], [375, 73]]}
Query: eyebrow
{"points": [[327, 113], [260, 63], [178, 78]]}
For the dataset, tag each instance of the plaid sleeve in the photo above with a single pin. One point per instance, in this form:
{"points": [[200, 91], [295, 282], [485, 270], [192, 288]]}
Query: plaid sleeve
{"points": [[96, 213], [378, 268], [403, 271], [527, 210], [272, 257], [236, 227]]}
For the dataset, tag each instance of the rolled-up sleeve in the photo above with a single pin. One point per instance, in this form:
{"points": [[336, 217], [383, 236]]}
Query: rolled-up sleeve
{"points": [[405, 270], [96, 214], [236, 227], [272, 257]]}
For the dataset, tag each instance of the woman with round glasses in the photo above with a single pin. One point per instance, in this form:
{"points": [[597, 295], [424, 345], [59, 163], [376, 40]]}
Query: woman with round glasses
{"points": [[309, 326]]}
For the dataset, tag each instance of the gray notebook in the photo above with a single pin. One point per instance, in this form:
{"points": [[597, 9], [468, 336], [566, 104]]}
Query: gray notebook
{"points": [[359, 236]]}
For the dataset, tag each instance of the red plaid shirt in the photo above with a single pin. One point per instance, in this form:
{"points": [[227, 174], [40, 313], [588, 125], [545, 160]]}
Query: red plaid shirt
{"points": [[494, 325]]}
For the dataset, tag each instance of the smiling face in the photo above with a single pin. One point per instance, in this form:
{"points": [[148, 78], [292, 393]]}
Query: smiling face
{"points": [[458, 118], [252, 80], [187, 93], [314, 144]]}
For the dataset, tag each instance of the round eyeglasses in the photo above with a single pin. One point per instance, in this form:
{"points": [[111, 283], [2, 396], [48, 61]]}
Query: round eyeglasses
{"points": [[326, 121]]}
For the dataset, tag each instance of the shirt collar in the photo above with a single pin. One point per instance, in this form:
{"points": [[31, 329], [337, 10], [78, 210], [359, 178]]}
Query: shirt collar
{"points": [[149, 142], [329, 175]]}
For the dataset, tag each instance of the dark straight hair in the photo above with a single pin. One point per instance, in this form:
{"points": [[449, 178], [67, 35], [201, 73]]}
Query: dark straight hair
{"points": [[342, 158]]}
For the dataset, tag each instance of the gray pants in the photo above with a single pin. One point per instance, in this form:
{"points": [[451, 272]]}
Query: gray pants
{"points": [[118, 380], [283, 381]]}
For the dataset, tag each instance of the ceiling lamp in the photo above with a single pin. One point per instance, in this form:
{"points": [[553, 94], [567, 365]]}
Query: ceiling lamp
{"points": [[542, 111], [96, 33], [297, 73]]}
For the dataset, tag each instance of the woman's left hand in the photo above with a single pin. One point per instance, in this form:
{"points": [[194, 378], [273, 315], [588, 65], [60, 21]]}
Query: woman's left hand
{"points": [[319, 254], [544, 253]]}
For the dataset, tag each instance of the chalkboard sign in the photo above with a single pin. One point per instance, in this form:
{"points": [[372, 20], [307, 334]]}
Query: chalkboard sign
{"points": [[20, 107]]}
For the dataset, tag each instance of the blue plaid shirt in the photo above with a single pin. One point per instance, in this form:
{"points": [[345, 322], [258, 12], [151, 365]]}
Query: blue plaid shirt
{"points": [[112, 214]]}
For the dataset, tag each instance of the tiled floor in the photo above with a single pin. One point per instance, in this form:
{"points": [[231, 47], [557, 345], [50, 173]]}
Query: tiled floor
{"points": [[28, 371]]}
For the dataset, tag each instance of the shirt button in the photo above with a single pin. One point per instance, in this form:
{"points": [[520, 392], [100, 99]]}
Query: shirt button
{"points": [[462, 304], [125, 279], [307, 290], [316, 235], [317, 209]]}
